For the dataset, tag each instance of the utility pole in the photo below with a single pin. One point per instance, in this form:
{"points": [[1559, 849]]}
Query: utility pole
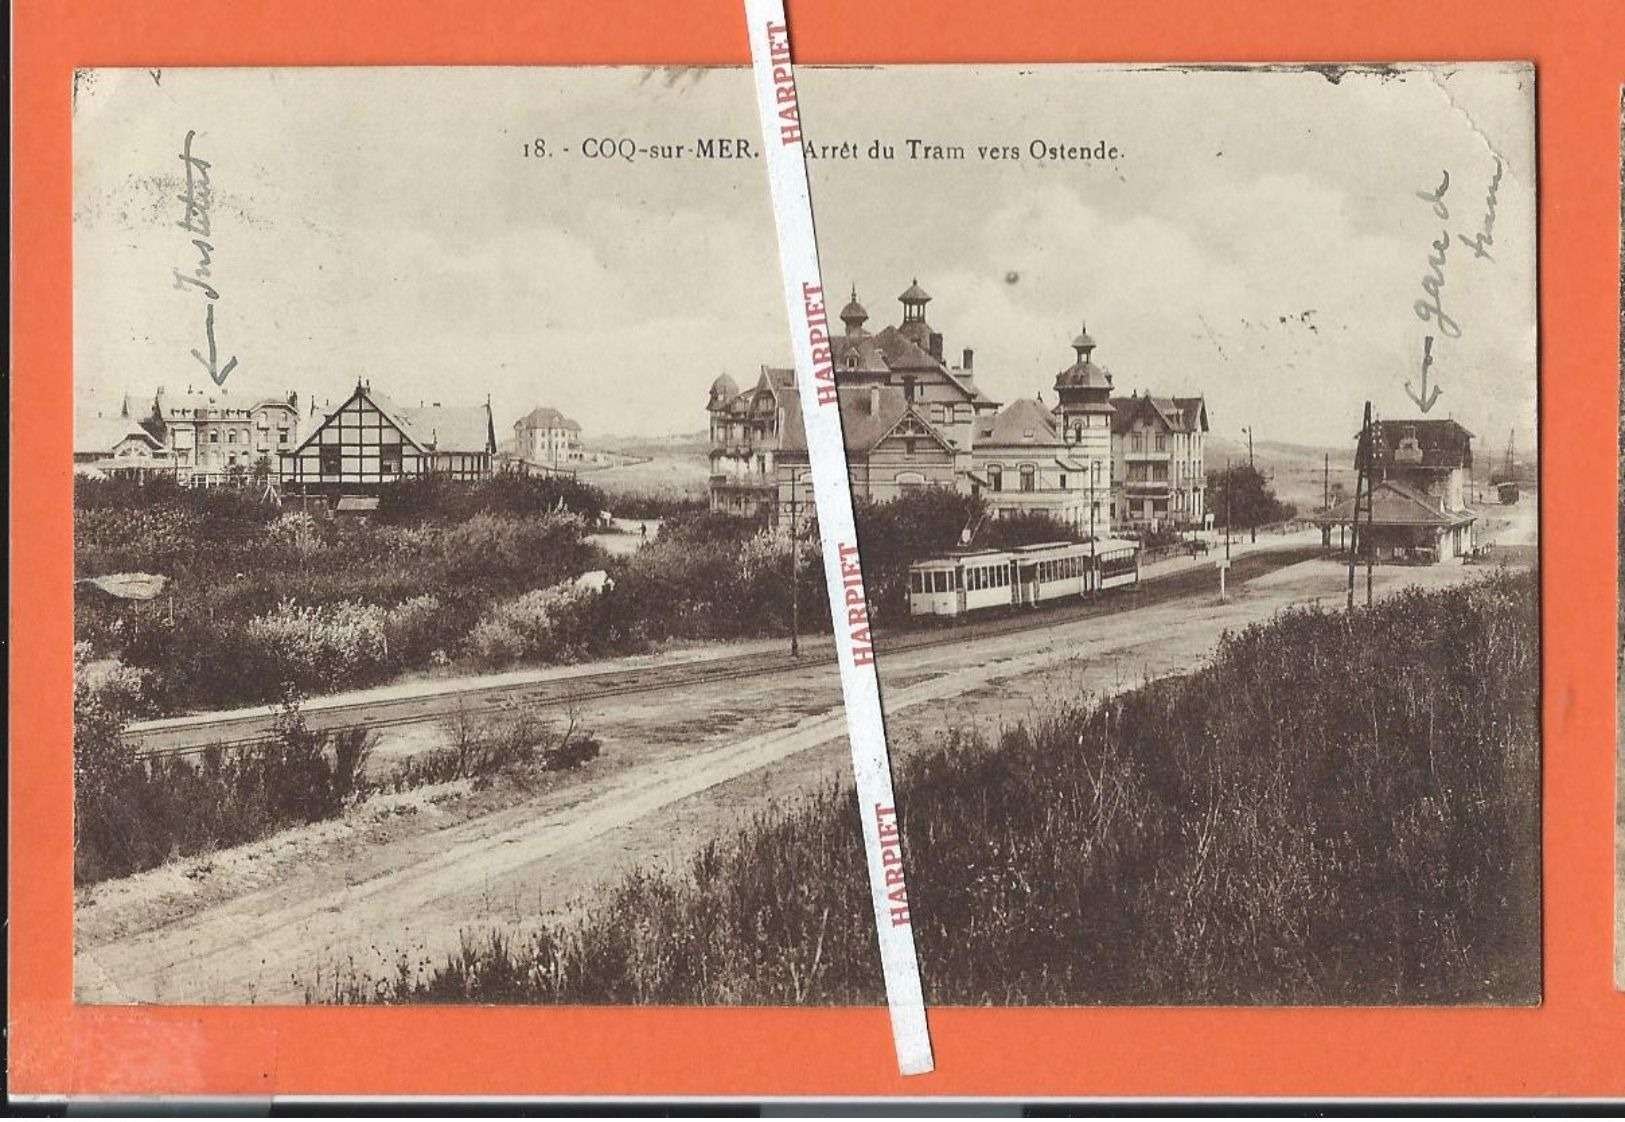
{"points": [[1362, 493], [1224, 566], [795, 566], [1094, 475], [1252, 522], [1370, 520], [1326, 483]]}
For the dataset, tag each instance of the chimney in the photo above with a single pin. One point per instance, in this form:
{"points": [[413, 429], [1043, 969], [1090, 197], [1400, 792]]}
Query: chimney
{"points": [[935, 345], [874, 400], [967, 363]]}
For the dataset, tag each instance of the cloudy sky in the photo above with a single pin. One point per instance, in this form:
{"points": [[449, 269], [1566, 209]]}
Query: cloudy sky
{"points": [[1258, 239]]}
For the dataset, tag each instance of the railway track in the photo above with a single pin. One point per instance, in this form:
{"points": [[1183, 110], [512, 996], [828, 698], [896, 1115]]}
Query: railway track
{"points": [[190, 736]]}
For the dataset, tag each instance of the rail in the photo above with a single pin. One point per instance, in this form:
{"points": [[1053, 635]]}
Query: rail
{"points": [[196, 737]]}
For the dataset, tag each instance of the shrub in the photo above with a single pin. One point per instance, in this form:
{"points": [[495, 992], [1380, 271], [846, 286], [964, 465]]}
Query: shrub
{"points": [[438, 498], [482, 747], [320, 643], [131, 815], [546, 624]]}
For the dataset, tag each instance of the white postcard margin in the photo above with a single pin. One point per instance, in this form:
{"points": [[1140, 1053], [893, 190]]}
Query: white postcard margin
{"points": [[826, 450]]}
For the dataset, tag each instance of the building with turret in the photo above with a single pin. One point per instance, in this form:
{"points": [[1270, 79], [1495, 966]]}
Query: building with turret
{"points": [[1033, 458], [912, 420]]}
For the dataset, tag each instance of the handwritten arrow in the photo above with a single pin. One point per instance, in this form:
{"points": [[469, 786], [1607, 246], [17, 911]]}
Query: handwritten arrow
{"points": [[1426, 401], [217, 372]]}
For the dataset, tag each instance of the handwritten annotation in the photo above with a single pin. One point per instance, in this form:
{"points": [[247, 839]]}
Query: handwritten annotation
{"points": [[195, 220]]}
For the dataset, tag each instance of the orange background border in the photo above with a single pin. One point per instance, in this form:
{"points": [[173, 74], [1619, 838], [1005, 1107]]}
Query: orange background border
{"points": [[1569, 1046]]}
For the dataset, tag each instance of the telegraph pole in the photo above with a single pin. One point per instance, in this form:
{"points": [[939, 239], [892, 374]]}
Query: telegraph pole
{"points": [[1326, 484], [1229, 490], [1094, 474], [1252, 522], [1370, 523], [795, 567], [1362, 492]]}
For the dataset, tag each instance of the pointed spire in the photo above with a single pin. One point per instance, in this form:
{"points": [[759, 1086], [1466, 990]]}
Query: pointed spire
{"points": [[1084, 344], [854, 315]]}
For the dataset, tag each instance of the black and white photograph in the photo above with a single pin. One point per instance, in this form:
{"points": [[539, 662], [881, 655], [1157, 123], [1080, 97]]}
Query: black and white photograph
{"points": [[449, 613]]}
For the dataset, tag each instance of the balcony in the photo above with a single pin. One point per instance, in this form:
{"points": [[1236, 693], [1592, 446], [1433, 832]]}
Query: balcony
{"points": [[1149, 488]]}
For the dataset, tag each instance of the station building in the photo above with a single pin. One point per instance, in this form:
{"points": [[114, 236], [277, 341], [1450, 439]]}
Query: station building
{"points": [[1419, 512]]}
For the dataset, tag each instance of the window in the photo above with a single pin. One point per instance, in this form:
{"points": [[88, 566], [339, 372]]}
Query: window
{"points": [[389, 459], [1162, 443], [1029, 477], [332, 459], [1063, 481], [914, 583], [995, 477], [282, 436], [214, 436], [1136, 442]]}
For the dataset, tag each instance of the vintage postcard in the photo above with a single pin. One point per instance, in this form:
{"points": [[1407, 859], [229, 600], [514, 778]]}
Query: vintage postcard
{"points": [[450, 615]]}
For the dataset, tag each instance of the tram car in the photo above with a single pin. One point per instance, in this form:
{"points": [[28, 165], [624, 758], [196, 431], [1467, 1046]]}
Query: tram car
{"points": [[973, 580]]}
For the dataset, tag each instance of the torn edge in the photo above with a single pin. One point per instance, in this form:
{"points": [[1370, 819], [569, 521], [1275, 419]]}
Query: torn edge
{"points": [[776, 100]]}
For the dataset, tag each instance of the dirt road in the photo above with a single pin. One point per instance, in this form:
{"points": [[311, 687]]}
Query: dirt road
{"points": [[403, 877]]}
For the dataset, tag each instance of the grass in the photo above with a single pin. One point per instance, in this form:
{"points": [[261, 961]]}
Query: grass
{"points": [[1338, 809]]}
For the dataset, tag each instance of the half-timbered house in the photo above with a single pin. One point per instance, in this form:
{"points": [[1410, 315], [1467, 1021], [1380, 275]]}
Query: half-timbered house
{"points": [[369, 442]]}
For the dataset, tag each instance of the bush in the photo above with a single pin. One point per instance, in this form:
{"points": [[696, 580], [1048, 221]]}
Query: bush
{"points": [[438, 498], [259, 598], [483, 747], [548, 624], [131, 815]]}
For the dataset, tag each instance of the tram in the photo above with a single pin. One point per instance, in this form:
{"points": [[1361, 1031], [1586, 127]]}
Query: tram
{"points": [[966, 581]]}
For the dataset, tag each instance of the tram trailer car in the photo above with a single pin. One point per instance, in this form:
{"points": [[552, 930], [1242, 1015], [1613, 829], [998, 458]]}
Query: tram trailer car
{"points": [[973, 580]]}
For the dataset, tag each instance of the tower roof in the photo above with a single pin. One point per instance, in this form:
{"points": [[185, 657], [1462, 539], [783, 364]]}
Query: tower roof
{"points": [[854, 314], [1084, 341], [914, 294], [1084, 375]]}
